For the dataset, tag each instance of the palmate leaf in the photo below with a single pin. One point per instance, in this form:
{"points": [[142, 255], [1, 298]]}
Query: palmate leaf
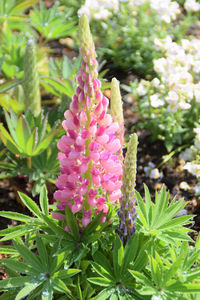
{"points": [[102, 272], [31, 258], [159, 218], [60, 87], [102, 260]]}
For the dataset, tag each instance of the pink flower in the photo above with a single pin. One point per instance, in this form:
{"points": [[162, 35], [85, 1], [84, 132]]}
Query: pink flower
{"points": [[90, 147]]}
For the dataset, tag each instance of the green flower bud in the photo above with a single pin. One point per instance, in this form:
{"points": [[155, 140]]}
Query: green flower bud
{"points": [[32, 98]]}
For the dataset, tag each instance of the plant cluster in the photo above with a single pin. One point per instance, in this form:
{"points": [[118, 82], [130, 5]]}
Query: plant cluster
{"points": [[173, 94], [125, 30], [101, 240]]}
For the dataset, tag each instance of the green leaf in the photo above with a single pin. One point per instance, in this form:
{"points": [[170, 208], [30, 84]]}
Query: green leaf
{"points": [[17, 266], [118, 256], [101, 271], [197, 245], [63, 274], [142, 210], [32, 142], [13, 232], [103, 261], [65, 88], [8, 295], [8, 141], [148, 204], [114, 297], [103, 295], [176, 264], [183, 220], [71, 222], [8, 250], [15, 216], [57, 229], [44, 144], [23, 132], [60, 285], [26, 291], [42, 251], [14, 282], [141, 278], [29, 257], [155, 271], [9, 85], [142, 258], [130, 251], [184, 287], [161, 200], [91, 227], [30, 204], [100, 281], [44, 201], [12, 120]]}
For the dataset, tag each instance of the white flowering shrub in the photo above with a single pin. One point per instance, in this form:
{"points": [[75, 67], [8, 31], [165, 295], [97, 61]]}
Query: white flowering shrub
{"points": [[169, 105], [126, 30]]}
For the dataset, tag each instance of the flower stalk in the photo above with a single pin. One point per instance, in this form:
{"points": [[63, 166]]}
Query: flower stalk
{"points": [[32, 99], [127, 212], [90, 167]]}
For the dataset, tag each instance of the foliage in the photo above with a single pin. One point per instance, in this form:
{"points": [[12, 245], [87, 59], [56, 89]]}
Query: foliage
{"points": [[47, 262]]}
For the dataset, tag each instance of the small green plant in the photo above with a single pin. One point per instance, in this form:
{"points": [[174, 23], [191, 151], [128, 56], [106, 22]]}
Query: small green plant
{"points": [[51, 23], [27, 136]]}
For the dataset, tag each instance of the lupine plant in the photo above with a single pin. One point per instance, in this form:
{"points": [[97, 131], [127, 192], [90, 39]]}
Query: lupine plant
{"points": [[101, 240], [30, 133]]}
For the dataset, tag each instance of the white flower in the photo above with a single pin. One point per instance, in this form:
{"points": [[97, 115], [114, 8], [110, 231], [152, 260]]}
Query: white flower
{"points": [[191, 5], [194, 169], [99, 9], [155, 101], [155, 174], [151, 171], [156, 82], [160, 65], [184, 105], [197, 189], [184, 186], [186, 155], [172, 97], [197, 92], [142, 88], [197, 138], [166, 10]]}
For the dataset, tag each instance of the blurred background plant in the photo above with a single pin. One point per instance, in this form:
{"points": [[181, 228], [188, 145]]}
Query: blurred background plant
{"points": [[167, 102]]}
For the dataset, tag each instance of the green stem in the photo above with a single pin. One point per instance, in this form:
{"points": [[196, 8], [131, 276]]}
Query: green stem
{"points": [[29, 163]]}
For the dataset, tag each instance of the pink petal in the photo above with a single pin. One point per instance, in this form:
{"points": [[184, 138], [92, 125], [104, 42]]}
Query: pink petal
{"points": [[58, 216]]}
